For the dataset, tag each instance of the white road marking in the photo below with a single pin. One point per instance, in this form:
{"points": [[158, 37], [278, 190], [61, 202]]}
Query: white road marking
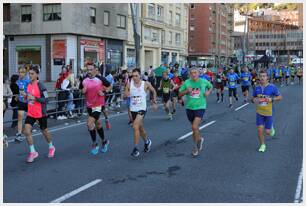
{"points": [[298, 193], [241, 106], [75, 192], [190, 133]]}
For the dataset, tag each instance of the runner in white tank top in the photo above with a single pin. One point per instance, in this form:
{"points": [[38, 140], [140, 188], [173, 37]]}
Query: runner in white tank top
{"points": [[137, 90]]}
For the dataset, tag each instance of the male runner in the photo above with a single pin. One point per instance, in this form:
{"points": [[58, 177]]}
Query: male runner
{"points": [[94, 88], [220, 77], [22, 83], [245, 82], [299, 74], [232, 79], [286, 75], [263, 96], [178, 83], [137, 90], [292, 74], [37, 97], [166, 85], [196, 91]]}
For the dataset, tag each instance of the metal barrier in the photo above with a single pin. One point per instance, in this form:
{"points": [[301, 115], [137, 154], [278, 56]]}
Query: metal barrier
{"points": [[56, 101]]}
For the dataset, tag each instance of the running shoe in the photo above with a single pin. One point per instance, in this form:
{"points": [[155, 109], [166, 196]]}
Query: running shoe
{"points": [[200, 144], [173, 112], [19, 138], [5, 142], [95, 149], [32, 156], [147, 146], [51, 152], [262, 148], [105, 145], [230, 106], [236, 98], [135, 152], [170, 116], [107, 124], [195, 152], [218, 101]]}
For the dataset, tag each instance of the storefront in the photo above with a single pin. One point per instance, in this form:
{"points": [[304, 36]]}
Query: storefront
{"points": [[92, 50], [114, 55], [165, 57]]}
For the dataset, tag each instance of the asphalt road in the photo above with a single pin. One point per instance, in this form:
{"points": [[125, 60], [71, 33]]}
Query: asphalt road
{"points": [[229, 169]]}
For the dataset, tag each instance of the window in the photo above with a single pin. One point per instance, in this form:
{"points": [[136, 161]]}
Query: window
{"points": [[191, 28], [170, 17], [178, 38], [52, 12], [159, 11], [6, 12], [147, 34], [121, 21], [154, 34], [163, 37], [106, 18], [177, 19], [26, 15], [151, 10], [93, 15], [170, 37], [192, 6]]}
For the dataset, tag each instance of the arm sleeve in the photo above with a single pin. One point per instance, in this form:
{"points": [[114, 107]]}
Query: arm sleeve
{"points": [[276, 92], [254, 92], [44, 94]]}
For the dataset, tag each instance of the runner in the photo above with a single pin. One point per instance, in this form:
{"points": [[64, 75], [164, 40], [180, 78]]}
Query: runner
{"points": [[245, 82], [22, 83], [166, 86], [299, 74], [196, 91], [232, 79], [175, 91], [94, 90], [37, 97], [137, 90], [263, 96], [277, 75], [286, 75], [254, 76], [220, 77], [292, 74]]}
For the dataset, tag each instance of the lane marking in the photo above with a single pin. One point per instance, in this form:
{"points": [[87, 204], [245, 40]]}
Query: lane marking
{"points": [[298, 193], [75, 192], [241, 106], [190, 133]]}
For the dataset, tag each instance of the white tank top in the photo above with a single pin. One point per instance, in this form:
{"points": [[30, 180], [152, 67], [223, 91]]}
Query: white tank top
{"points": [[138, 97]]}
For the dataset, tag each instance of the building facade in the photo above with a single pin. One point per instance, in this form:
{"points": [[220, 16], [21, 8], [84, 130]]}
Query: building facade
{"points": [[164, 33], [210, 29], [52, 35]]}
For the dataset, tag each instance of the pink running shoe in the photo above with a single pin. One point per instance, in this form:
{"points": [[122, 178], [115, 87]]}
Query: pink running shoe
{"points": [[32, 156], [107, 124], [51, 152]]}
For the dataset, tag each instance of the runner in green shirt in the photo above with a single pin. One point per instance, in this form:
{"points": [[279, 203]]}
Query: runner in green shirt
{"points": [[196, 91]]}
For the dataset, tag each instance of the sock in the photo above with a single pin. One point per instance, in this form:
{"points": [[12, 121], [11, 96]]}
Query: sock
{"points": [[32, 149], [101, 133], [222, 96], [50, 144], [93, 135], [136, 146]]}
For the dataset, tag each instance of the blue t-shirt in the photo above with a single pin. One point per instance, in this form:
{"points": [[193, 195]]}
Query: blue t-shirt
{"points": [[23, 87], [270, 72], [277, 72], [286, 72], [110, 79], [245, 78], [265, 108], [205, 76], [170, 75], [232, 80]]}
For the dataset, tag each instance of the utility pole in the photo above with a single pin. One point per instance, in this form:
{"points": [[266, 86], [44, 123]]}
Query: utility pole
{"points": [[136, 29], [244, 37]]}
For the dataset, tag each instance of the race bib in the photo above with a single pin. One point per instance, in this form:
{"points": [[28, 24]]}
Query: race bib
{"points": [[136, 100], [96, 109], [246, 78], [195, 93], [166, 90], [219, 80], [232, 83]]}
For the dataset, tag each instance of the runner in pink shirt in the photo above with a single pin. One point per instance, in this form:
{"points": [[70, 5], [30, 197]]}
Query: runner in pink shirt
{"points": [[93, 89], [37, 97]]}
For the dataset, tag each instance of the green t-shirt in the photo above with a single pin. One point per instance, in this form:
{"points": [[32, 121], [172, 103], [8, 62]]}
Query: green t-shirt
{"points": [[196, 100]]}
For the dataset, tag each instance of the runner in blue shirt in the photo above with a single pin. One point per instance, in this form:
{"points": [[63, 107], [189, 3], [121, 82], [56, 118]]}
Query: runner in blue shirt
{"points": [[286, 75], [245, 82], [232, 79]]}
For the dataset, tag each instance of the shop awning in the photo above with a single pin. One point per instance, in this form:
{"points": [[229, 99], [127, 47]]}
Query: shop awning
{"points": [[27, 48]]}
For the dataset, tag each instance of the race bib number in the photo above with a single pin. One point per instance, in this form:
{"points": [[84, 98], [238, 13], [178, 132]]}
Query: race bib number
{"points": [[195, 93], [96, 109], [219, 80], [136, 100], [246, 78], [232, 83], [166, 90]]}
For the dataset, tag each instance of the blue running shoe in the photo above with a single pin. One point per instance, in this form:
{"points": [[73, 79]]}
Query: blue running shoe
{"points": [[105, 145], [95, 149]]}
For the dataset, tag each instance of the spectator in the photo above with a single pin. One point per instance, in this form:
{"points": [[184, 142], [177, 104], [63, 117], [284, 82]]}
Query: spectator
{"points": [[14, 102], [61, 94], [109, 94], [68, 85], [7, 93]]}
